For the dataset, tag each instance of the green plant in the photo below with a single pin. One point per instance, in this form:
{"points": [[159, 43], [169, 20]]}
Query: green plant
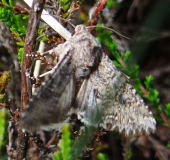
{"points": [[111, 4], [101, 156], [17, 22], [65, 4], [4, 79], [13, 17], [167, 112], [65, 144], [4, 116]]}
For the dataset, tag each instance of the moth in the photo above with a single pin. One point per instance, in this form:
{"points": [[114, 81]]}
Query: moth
{"points": [[85, 80]]}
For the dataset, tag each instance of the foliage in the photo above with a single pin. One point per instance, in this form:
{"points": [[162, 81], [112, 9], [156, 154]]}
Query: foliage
{"points": [[101, 156], [21, 55], [168, 145], [111, 4], [65, 4], [65, 144], [4, 79], [16, 22], [167, 112], [4, 116]]}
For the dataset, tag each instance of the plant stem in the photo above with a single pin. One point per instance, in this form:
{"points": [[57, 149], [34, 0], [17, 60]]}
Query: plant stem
{"points": [[29, 48]]}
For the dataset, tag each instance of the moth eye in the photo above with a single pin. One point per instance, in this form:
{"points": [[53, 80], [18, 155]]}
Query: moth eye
{"points": [[85, 70], [82, 72]]}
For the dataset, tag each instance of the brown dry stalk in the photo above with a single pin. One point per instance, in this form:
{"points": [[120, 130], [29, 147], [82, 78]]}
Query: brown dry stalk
{"points": [[29, 48]]}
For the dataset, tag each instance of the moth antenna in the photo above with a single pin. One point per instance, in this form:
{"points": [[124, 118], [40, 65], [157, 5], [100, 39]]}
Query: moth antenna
{"points": [[66, 20], [71, 24], [109, 30], [40, 37]]}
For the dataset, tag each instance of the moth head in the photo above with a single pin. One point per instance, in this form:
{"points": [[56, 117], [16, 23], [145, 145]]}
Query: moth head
{"points": [[82, 72], [80, 28], [87, 60]]}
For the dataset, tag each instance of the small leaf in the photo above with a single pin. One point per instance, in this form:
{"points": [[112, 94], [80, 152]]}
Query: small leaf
{"points": [[12, 2], [117, 64], [168, 145], [101, 156], [167, 110], [5, 2], [111, 4], [21, 55], [148, 82], [126, 56], [65, 144], [4, 116]]}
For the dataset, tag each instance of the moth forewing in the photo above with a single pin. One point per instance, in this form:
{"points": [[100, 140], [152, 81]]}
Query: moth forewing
{"points": [[51, 105]]}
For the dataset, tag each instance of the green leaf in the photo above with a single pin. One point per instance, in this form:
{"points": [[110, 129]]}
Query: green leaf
{"points": [[4, 116], [5, 2], [167, 111], [21, 44], [101, 156], [65, 4], [117, 64], [111, 4], [126, 56], [168, 145], [21, 55], [148, 82], [12, 2], [134, 72], [65, 144], [66, 7]]}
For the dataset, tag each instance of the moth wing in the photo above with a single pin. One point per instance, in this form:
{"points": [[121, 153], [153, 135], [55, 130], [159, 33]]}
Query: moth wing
{"points": [[108, 91], [50, 107], [86, 104], [124, 110]]}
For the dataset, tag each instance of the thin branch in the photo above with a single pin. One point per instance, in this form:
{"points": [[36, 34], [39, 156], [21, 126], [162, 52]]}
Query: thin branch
{"points": [[29, 48]]}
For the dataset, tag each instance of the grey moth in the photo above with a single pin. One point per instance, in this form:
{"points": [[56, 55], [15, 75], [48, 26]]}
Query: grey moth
{"points": [[85, 80]]}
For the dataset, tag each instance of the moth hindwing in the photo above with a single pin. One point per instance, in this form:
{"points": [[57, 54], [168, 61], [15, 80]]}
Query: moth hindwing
{"points": [[85, 80]]}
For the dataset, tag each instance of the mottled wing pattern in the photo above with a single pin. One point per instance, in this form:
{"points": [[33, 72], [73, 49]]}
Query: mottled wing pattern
{"points": [[118, 104], [50, 107], [86, 81]]}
